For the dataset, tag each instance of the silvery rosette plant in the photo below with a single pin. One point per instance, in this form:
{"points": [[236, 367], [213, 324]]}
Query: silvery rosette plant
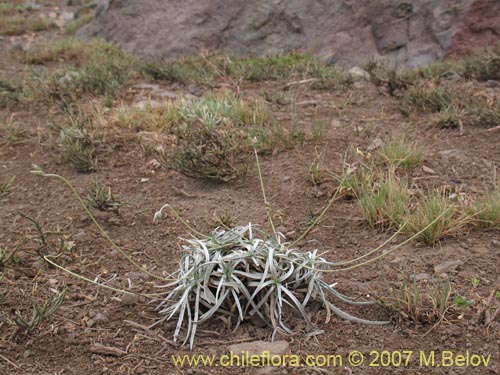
{"points": [[234, 274]]}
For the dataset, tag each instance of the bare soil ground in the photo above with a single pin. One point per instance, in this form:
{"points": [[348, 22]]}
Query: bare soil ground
{"points": [[66, 342]]}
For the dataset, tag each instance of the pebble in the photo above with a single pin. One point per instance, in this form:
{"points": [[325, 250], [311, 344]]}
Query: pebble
{"points": [[129, 299], [496, 243], [447, 266]]}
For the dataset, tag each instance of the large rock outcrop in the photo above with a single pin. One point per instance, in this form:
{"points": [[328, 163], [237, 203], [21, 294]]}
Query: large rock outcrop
{"points": [[346, 31]]}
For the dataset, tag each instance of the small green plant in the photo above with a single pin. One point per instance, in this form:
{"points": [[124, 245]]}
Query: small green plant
{"points": [[72, 49], [462, 301], [428, 209], [315, 170], [40, 313], [100, 197], [10, 131], [482, 115], [429, 98], [386, 202], [105, 69], [398, 152], [207, 69], [484, 66], [5, 258], [6, 186], [425, 305], [45, 243], [225, 220], [18, 25], [474, 282], [9, 93], [486, 210], [7, 9], [213, 135], [74, 25], [358, 173], [77, 149]]}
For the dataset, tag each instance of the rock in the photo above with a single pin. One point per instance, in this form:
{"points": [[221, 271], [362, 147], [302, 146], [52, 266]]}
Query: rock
{"points": [[165, 94], [146, 86], [359, 74], [403, 32], [423, 276], [129, 299], [428, 170], [81, 236], [101, 349], [492, 83], [447, 266], [134, 276], [147, 104], [40, 265], [496, 243], [376, 143]]}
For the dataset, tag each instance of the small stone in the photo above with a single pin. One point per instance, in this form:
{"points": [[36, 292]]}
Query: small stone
{"points": [[359, 74], [26, 354], [165, 94], [281, 229], [335, 124], [148, 104], [133, 276], [81, 235], [492, 83], [129, 299], [447, 266], [428, 170], [376, 143], [454, 77], [496, 243], [146, 86], [100, 317], [39, 265], [423, 276]]}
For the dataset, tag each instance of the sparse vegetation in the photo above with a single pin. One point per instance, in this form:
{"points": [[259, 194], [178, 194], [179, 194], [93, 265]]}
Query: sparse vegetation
{"points": [[99, 196], [214, 135], [39, 313], [429, 97], [423, 305], [17, 25], [104, 69], [386, 202], [484, 66], [206, 69], [74, 25], [77, 149], [6, 186], [398, 152], [486, 210], [432, 207], [7, 8]]}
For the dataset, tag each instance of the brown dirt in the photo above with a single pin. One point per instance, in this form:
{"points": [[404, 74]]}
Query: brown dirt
{"points": [[63, 344]]}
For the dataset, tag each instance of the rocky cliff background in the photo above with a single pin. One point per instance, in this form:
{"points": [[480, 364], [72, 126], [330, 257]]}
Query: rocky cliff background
{"points": [[346, 31]]}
